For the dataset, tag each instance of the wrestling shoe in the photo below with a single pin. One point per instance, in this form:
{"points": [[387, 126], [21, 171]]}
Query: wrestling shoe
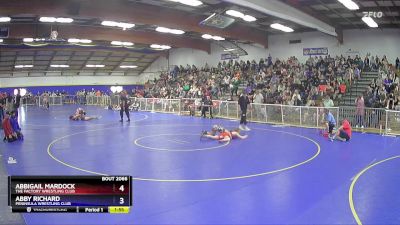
{"points": [[331, 138], [246, 128]]}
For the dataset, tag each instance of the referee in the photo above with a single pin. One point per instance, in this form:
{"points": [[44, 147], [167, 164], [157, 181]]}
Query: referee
{"points": [[243, 102], [206, 106], [124, 106]]}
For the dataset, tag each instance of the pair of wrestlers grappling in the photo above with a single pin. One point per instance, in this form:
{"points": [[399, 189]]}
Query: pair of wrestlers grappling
{"points": [[80, 114], [221, 134]]}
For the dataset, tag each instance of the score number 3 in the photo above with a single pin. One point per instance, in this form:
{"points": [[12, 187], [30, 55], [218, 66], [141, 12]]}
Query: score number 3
{"points": [[121, 200]]}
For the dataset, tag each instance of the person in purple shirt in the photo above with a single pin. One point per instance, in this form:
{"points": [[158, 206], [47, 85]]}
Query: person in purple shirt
{"points": [[387, 82]]}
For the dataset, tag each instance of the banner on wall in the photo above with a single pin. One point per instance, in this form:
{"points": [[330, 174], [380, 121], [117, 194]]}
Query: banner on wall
{"points": [[352, 51], [228, 56], [315, 51]]}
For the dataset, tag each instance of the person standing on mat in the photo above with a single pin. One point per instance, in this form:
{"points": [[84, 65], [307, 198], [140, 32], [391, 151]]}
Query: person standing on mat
{"points": [[17, 102], [2, 107], [206, 106], [330, 122], [243, 102], [124, 99]]}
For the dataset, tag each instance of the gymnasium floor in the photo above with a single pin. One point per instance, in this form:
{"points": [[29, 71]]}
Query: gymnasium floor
{"points": [[279, 175]]}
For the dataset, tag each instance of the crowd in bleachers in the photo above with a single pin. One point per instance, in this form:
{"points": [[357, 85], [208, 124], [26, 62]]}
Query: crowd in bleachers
{"points": [[383, 92], [318, 81]]}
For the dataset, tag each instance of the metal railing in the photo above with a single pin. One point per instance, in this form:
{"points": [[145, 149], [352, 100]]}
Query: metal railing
{"points": [[371, 119], [44, 100]]}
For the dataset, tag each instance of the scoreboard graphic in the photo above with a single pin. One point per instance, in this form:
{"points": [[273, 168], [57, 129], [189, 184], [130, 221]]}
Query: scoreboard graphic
{"points": [[74, 194]]}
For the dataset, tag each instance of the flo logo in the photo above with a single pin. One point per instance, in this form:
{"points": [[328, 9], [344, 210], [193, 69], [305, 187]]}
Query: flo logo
{"points": [[373, 14]]}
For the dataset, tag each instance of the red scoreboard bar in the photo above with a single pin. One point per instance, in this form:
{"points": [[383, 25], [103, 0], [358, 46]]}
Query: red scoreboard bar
{"points": [[82, 194]]}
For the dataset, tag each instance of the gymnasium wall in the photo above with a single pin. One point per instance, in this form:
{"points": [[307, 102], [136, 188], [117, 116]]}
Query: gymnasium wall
{"points": [[377, 42], [70, 84], [71, 90]]}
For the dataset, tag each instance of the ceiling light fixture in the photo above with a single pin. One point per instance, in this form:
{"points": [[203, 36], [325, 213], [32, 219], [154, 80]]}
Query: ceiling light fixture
{"points": [[234, 13], [5, 19], [64, 20], [162, 29], [206, 36], [160, 47], [349, 4], [168, 30], [229, 49], [122, 25], [370, 22], [96, 66], [27, 40], [189, 2], [59, 66], [33, 39], [216, 38], [85, 41], [238, 14], [128, 66], [116, 43], [75, 40], [281, 27], [249, 18], [55, 20], [23, 66], [122, 43]]}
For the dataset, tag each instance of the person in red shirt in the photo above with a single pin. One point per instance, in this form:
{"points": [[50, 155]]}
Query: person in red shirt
{"points": [[343, 133]]}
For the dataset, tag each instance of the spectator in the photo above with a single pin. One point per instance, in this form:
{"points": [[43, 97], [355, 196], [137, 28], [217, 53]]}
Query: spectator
{"points": [[296, 98], [258, 99], [327, 102], [360, 111], [390, 102]]}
